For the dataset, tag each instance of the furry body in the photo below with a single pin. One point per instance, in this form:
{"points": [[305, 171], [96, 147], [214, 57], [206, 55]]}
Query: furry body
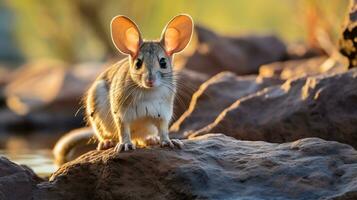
{"points": [[131, 103], [115, 95]]}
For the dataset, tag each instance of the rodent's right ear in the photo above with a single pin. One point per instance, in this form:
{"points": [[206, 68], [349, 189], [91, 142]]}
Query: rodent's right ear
{"points": [[125, 35]]}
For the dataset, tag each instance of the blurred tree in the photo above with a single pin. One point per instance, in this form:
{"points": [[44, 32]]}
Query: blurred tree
{"points": [[53, 29], [90, 12], [9, 52]]}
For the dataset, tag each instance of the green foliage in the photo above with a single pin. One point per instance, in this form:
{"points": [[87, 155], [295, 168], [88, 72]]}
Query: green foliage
{"points": [[77, 30]]}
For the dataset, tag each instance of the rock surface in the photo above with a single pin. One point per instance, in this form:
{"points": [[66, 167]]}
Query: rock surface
{"points": [[241, 55], [46, 94], [215, 95], [211, 167], [299, 68], [318, 106], [16, 182], [49, 85]]}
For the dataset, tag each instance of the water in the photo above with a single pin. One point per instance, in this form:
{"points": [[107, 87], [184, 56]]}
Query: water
{"points": [[39, 160], [31, 149]]}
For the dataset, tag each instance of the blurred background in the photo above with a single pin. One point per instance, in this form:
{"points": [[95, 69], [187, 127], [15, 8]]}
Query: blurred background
{"points": [[50, 51], [78, 30]]}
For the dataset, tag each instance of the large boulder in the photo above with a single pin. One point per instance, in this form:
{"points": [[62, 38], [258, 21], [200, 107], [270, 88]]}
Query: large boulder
{"points": [[214, 96], [211, 167], [16, 182], [242, 55], [317, 106]]}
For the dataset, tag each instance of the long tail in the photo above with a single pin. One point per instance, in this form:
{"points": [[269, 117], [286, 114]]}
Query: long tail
{"points": [[63, 149]]}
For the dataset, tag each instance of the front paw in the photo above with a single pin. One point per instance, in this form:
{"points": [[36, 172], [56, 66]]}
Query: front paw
{"points": [[126, 146], [172, 143]]}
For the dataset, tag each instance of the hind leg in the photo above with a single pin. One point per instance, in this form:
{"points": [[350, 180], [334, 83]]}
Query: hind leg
{"points": [[106, 144], [99, 115], [105, 138]]}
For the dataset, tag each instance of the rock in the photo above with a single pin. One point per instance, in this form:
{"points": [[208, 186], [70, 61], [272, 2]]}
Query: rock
{"points": [[302, 67], [16, 182], [49, 85], [241, 55], [348, 40], [301, 50], [318, 106], [211, 167], [214, 96], [47, 94]]}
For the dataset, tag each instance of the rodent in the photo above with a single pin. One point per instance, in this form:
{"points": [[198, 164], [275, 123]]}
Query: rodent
{"points": [[131, 103]]}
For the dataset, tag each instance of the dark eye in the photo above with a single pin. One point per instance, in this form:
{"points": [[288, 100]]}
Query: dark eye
{"points": [[162, 62], [138, 64]]}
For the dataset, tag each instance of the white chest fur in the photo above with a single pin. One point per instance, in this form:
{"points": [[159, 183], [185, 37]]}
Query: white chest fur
{"points": [[156, 103]]}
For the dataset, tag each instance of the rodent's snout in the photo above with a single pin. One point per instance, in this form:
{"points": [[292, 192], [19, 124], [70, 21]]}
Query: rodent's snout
{"points": [[149, 82]]}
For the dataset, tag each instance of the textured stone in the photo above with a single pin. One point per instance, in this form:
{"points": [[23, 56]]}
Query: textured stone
{"points": [[16, 182], [211, 167], [318, 106]]}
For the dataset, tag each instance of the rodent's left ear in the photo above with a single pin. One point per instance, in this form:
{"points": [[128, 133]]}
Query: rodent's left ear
{"points": [[177, 34]]}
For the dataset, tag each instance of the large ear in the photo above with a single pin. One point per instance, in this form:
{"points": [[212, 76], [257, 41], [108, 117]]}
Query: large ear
{"points": [[177, 34], [125, 35]]}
